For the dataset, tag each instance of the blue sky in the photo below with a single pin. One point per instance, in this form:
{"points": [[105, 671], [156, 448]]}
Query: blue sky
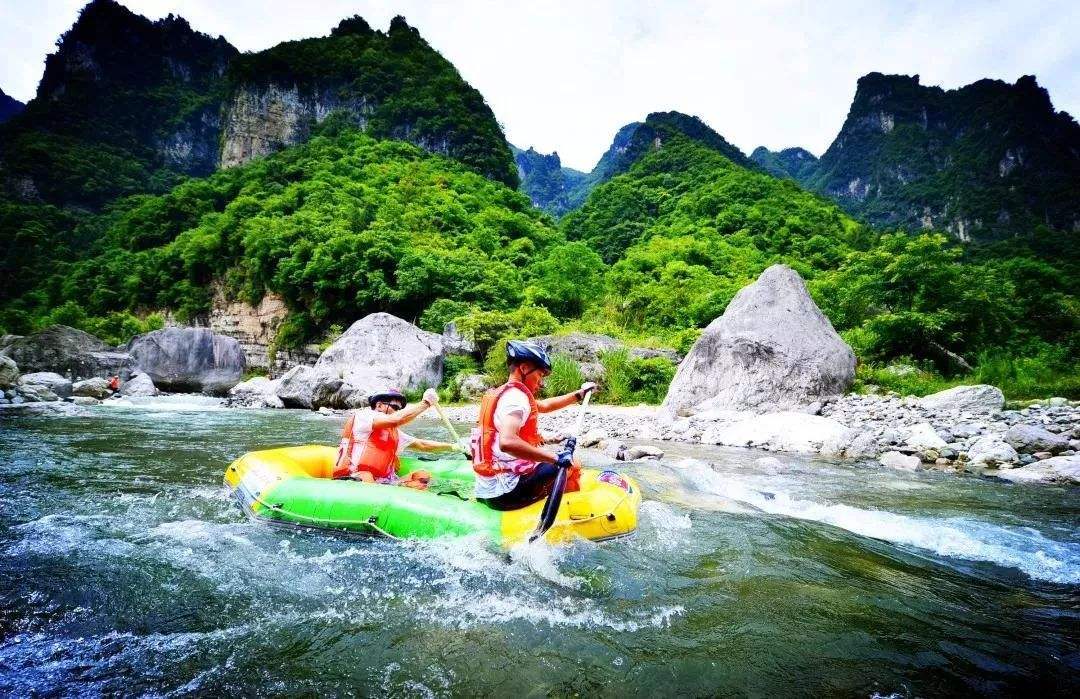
{"points": [[565, 75]]}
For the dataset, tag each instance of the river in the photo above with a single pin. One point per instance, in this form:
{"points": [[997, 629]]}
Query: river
{"points": [[125, 568]]}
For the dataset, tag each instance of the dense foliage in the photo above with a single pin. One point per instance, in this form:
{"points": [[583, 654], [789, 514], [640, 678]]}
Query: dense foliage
{"points": [[546, 182], [341, 226], [685, 229]]}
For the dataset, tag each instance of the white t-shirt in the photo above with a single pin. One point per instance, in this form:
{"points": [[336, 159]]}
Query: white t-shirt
{"points": [[513, 402]]}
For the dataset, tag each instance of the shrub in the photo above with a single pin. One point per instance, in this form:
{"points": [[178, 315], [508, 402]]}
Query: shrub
{"points": [[628, 380], [565, 376], [438, 314]]}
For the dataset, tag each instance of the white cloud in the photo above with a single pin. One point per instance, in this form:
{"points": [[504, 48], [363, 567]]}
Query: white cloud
{"points": [[565, 75]]}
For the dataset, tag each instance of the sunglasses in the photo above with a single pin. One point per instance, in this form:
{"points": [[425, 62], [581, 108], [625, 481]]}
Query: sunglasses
{"points": [[396, 406]]}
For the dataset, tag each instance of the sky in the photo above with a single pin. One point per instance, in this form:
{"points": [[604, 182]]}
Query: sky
{"points": [[564, 76]]}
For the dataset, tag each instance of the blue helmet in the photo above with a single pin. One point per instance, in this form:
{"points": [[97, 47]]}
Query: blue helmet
{"points": [[518, 351]]}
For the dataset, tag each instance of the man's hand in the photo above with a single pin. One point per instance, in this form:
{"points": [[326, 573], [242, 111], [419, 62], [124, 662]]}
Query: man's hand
{"points": [[431, 397], [585, 389]]}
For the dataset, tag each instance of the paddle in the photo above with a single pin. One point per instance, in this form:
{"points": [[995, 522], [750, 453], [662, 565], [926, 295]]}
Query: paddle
{"points": [[551, 507], [449, 427]]}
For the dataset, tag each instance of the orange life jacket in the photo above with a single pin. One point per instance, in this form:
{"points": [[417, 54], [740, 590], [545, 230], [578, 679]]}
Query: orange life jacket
{"points": [[378, 455], [483, 462]]}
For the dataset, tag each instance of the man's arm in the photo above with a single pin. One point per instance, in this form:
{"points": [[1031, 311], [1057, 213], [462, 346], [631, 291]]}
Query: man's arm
{"points": [[511, 443], [559, 402]]}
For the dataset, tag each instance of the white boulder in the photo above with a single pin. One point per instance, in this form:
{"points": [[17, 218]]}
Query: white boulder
{"points": [[980, 398], [772, 349], [991, 450], [138, 385], [1059, 469], [922, 437], [789, 431], [381, 351], [894, 459]]}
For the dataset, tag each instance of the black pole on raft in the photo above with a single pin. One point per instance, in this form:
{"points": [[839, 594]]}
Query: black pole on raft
{"points": [[551, 507]]}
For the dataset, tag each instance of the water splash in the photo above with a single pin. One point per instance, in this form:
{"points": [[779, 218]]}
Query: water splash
{"points": [[1024, 549]]}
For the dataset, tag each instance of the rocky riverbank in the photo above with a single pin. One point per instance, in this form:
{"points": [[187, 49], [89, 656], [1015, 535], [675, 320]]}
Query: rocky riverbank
{"points": [[1036, 443]]}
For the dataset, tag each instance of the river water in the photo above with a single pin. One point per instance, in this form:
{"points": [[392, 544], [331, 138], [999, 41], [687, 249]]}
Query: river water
{"points": [[124, 568]]}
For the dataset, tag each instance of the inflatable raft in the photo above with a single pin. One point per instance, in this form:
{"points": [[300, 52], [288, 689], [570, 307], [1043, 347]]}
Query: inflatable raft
{"points": [[291, 485]]}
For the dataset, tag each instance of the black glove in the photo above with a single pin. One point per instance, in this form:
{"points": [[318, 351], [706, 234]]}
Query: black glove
{"points": [[566, 456]]}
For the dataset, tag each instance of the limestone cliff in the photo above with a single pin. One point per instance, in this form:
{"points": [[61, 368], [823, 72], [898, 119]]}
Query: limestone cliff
{"points": [[255, 327]]}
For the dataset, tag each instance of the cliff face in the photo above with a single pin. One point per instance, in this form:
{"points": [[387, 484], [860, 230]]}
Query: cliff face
{"points": [[986, 161], [546, 182], [392, 85]]}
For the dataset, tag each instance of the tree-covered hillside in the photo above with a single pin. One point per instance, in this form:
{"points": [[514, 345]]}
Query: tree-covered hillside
{"points": [[685, 228], [341, 226], [9, 107], [796, 163], [986, 161], [545, 181]]}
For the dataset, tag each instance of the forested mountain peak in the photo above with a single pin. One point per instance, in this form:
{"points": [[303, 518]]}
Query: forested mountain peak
{"points": [[795, 163], [984, 161]]}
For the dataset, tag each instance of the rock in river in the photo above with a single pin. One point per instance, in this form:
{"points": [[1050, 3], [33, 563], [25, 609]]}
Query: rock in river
{"points": [[9, 372], [189, 360], [380, 351], [96, 387], [67, 351], [50, 380], [784, 431], [1059, 469], [1029, 439], [773, 349], [138, 385]]}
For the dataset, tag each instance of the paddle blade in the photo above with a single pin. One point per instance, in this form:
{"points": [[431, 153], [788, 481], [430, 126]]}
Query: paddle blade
{"points": [[551, 507]]}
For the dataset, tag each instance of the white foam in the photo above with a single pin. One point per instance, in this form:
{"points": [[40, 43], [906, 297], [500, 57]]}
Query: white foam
{"points": [[1021, 548], [181, 402]]}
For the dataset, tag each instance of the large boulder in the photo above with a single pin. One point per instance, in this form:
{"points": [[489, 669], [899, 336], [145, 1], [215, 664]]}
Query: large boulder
{"points": [[67, 351], [35, 393], [773, 349], [1059, 469], [96, 387], [189, 360], [979, 398], [381, 350], [310, 387], [51, 380], [990, 450], [9, 372], [256, 392], [139, 385], [1030, 439]]}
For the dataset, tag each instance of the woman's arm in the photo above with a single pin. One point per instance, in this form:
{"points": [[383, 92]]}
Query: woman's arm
{"points": [[406, 414]]}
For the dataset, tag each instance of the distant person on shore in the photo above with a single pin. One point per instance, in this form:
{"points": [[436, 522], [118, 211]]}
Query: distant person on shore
{"points": [[512, 470], [371, 441]]}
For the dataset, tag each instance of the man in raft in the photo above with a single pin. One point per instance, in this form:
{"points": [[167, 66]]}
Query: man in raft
{"points": [[371, 441], [512, 470]]}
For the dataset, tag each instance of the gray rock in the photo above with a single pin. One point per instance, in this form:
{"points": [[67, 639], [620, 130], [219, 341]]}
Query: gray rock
{"points": [[307, 387], [189, 360], [990, 450], [256, 392], [472, 385], [85, 401], [50, 380], [615, 448], [592, 438], [980, 398], [381, 351], [863, 446], [138, 385], [454, 343], [643, 451], [69, 352], [1059, 469], [965, 431], [1031, 438], [894, 459], [35, 393], [772, 349], [9, 372], [1057, 401], [96, 387]]}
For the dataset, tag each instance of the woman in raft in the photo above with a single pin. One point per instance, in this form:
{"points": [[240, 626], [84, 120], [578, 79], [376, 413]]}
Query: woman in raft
{"points": [[371, 441]]}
